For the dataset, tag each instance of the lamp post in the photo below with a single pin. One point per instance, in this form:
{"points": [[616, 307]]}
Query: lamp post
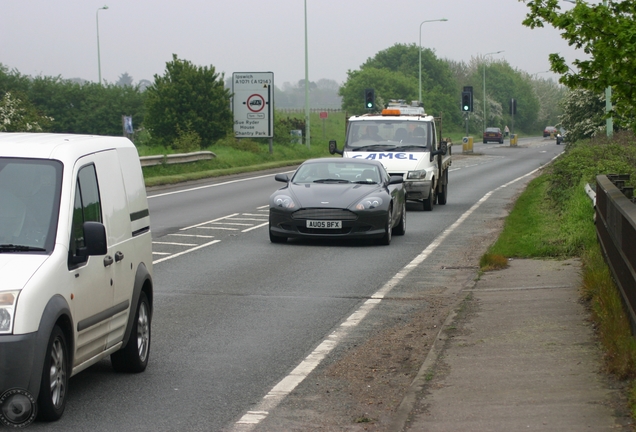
{"points": [[609, 122], [307, 134], [99, 64], [487, 54], [441, 19]]}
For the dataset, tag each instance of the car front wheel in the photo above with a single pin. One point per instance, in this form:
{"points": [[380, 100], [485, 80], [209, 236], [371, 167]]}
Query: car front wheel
{"points": [[388, 229], [400, 229]]}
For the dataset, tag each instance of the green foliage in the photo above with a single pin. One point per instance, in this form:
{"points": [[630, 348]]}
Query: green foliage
{"points": [[583, 114], [187, 141], [585, 160], [17, 115], [387, 85], [188, 97], [76, 108], [605, 32]]}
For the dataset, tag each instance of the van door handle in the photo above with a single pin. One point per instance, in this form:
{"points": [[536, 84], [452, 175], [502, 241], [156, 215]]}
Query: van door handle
{"points": [[108, 260], [119, 256]]}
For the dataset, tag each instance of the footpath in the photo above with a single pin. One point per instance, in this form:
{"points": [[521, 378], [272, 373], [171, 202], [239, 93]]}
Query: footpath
{"points": [[519, 354]]}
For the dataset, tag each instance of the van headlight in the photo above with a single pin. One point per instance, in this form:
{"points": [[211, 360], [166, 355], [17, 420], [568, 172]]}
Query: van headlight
{"points": [[7, 310], [416, 175]]}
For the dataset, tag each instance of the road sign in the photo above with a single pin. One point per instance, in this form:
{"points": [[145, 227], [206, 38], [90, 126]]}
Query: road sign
{"points": [[323, 114], [253, 104]]}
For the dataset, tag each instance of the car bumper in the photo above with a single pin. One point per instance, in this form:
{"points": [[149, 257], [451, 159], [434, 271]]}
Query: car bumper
{"points": [[417, 189], [371, 224], [17, 358]]}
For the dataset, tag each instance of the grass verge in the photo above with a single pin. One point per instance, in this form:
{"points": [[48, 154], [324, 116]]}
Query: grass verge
{"points": [[553, 218]]}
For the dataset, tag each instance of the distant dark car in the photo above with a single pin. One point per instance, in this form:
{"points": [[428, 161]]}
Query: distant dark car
{"points": [[493, 134], [338, 198], [549, 130]]}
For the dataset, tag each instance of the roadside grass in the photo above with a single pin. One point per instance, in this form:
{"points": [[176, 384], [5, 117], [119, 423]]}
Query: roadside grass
{"points": [[553, 218]]}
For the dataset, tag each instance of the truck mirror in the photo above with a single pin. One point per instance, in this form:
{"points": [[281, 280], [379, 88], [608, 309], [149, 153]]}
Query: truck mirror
{"points": [[333, 148]]}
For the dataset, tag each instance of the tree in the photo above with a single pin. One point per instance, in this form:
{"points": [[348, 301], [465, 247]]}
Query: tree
{"points": [[188, 98], [605, 32], [394, 74], [583, 114], [125, 80], [17, 115]]}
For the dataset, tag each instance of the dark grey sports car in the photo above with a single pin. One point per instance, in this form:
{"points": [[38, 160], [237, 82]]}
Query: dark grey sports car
{"points": [[338, 198]]}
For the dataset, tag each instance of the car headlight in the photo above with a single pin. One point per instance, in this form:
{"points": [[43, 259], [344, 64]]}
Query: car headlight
{"points": [[284, 201], [369, 203], [7, 310], [414, 175]]}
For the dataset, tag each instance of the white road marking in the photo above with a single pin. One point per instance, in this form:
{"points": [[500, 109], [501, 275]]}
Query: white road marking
{"points": [[276, 395], [185, 252], [174, 244], [192, 235], [255, 226]]}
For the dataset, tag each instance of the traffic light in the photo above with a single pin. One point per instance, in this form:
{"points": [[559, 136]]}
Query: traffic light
{"points": [[369, 99], [513, 106], [467, 101]]}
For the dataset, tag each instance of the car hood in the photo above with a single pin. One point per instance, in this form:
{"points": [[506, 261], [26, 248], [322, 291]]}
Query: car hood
{"points": [[331, 195], [17, 268]]}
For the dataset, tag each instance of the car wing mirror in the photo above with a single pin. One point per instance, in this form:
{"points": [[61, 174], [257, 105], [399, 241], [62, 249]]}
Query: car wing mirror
{"points": [[282, 178]]}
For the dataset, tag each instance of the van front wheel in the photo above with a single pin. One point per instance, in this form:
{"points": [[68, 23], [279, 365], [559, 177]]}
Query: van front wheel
{"points": [[134, 356], [54, 384]]}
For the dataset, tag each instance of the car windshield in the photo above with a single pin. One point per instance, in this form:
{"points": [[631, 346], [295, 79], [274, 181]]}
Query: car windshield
{"points": [[29, 203], [388, 135], [492, 130], [335, 173]]}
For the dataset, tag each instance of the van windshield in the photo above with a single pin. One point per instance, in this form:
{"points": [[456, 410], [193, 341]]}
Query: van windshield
{"points": [[29, 204], [388, 135]]}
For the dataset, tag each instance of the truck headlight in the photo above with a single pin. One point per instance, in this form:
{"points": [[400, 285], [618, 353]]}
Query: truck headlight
{"points": [[416, 175], [369, 203], [7, 310], [284, 201]]}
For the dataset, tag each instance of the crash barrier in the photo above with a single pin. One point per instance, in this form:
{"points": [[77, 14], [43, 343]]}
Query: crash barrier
{"points": [[616, 232], [176, 158]]}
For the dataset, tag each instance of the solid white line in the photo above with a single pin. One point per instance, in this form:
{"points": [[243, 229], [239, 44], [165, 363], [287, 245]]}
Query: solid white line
{"points": [[160, 253], [175, 244], [192, 235], [254, 227], [230, 223], [287, 384], [217, 228], [185, 252], [210, 221], [213, 185]]}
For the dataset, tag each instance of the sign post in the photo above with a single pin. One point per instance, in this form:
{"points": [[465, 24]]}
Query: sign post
{"points": [[323, 116], [253, 105]]}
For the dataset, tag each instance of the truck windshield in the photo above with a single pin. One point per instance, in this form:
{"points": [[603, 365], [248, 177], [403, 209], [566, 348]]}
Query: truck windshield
{"points": [[390, 134], [29, 204]]}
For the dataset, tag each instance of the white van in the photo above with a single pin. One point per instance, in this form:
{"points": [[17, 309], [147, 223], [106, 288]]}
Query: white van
{"points": [[75, 266]]}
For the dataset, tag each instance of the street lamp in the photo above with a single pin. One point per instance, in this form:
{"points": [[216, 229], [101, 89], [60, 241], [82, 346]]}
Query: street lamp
{"points": [[99, 64], [307, 129], [609, 122], [487, 54], [441, 19]]}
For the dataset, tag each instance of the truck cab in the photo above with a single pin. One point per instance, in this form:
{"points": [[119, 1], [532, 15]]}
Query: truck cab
{"points": [[405, 139]]}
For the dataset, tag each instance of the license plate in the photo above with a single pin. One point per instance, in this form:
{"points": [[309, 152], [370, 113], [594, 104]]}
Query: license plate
{"points": [[324, 224]]}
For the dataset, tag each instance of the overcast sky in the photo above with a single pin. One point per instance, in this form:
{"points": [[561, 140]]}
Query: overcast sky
{"points": [[50, 38]]}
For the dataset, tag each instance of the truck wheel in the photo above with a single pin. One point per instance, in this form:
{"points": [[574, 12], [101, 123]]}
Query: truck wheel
{"points": [[428, 202], [54, 384], [134, 356], [400, 229], [443, 193]]}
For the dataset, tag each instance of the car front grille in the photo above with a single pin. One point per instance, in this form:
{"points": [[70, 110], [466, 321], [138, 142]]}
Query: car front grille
{"points": [[324, 214]]}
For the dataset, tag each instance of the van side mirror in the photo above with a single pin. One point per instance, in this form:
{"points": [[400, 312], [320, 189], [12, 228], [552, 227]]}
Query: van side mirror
{"points": [[333, 148], [94, 239]]}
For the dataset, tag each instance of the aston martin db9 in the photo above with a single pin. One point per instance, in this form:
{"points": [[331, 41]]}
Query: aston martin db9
{"points": [[338, 198]]}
